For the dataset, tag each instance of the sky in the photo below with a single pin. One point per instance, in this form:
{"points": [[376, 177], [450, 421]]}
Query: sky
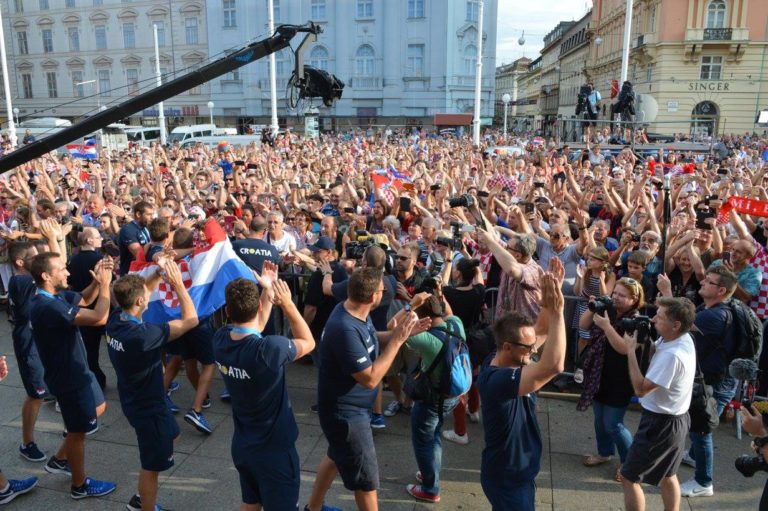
{"points": [[537, 18]]}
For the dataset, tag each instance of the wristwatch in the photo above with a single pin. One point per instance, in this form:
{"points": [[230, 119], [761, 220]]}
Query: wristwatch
{"points": [[407, 307], [760, 442], [326, 273]]}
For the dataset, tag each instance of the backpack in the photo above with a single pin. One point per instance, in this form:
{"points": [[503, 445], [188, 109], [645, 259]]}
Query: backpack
{"points": [[747, 330], [456, 377]]}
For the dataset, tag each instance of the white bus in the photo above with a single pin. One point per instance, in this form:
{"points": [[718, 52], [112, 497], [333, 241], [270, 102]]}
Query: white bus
{"points": [[213, 142]]}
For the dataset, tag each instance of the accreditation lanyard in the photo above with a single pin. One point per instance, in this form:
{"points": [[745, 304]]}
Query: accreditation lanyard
{"points": [[127, 317], [246, 330]]}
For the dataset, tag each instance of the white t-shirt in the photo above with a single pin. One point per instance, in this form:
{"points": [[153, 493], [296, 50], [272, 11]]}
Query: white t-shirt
{"points": [[672, 368], [285, 244]]}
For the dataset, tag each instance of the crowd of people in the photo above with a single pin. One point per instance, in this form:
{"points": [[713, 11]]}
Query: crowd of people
{"points": [[370, 252]]}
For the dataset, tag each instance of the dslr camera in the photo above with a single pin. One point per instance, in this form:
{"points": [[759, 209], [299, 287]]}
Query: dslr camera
{"points": [[464, 200], [602, 304], [748, 464], [639, 324]]}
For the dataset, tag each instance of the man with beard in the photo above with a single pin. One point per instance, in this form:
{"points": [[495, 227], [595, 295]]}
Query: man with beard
{"points": [[650, 242], [318, 306], [134, 235], [350, 371]]}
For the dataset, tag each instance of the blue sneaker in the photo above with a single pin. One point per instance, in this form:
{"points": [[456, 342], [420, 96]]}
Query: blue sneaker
{"points": [[173, 387], [171, 405], [225, 395], [325, 508], [57, 466], [207, 402], [16, 488], [92, 488], [31, 452], [377, 421], [135, 504], [198, 421]]}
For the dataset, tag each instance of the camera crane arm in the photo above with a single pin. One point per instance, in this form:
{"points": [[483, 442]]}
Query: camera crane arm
{"points": [[251, 53]]}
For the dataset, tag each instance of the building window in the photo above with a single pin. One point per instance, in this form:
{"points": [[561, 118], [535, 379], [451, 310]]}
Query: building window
{"points": [[415, 8], [318, 9], [50, 79], [365, 8], [716, 14], [73, 34], [70, 4], [44, 6], [652, 20], [364, 61], [132, 79], [101, 37], [281, 62], [318, 58], [190, 29], [47, 41], [473, 10], [97, 3], [26, 85], [233, 75], [160, 32], [18, 6], [78, 90], [22, 40], [276, 9], [711, 67], [197, 90], [649, 73], [129, 35], [415, 58], [104, 86], [470, 60], [230, 13]]}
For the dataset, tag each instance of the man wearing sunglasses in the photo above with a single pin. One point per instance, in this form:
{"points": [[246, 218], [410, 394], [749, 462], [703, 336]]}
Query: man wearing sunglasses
{"points": [[512, 455]]}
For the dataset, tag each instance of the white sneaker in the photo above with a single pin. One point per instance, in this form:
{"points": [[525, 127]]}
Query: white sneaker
{"points": [[451, 436], [474, 417], [687, 460], [691, 488]]}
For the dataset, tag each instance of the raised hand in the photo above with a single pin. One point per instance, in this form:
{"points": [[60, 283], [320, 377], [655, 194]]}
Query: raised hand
{"points": [[631, 341], [403, 328], [324, 267], [664, 285], [551, 294], [281, 293], [557, 269], [173, 274]]}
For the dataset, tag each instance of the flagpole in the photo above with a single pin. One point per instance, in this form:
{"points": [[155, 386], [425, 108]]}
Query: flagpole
{"points": [[478, 77], [272, 71], [160, 108], [6, 85]]}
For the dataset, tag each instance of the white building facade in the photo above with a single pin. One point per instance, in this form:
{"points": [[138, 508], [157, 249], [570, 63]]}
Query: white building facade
{"points": [[107, 47], [402, 61]]}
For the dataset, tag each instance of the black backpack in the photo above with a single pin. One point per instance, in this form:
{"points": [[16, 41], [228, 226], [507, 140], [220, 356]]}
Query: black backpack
{"points": [[746, 328]]}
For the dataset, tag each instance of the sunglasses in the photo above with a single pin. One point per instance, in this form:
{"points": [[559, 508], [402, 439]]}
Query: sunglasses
{"points": [[290, 219], [403, 258], [210, 200], [530, 347]]}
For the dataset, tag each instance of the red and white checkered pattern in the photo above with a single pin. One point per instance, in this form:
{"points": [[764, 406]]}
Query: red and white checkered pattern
{"points": [[169, 297], [505, 181], [759, 303]]}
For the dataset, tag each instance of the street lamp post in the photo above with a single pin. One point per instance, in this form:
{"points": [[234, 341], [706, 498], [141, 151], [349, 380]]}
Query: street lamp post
{"points": [[506, 98], [96, 86], [210, 110]]}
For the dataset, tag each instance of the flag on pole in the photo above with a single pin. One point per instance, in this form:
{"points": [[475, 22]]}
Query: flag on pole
{"points": [[206, 274]]}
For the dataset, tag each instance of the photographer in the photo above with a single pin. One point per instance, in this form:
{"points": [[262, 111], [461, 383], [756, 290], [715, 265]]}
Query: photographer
{"points": [[607, 387], [753, 423]]}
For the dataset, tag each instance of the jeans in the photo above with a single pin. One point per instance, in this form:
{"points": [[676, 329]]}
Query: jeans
{"points": [[702, 449], [610, 431], [426, 428]]}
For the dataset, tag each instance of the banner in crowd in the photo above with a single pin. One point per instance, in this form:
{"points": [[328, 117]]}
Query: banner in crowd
{"points": [[86, 150], [742, 205], [206, 274]]}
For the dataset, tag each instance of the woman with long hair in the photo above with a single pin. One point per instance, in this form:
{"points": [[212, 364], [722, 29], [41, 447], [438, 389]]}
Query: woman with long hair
{"points": [[607, 387]]}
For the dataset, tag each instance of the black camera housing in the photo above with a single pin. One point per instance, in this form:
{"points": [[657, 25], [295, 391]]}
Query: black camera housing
{"points": [[639, 324], [462, 201], [747, 465], [602, 304]]}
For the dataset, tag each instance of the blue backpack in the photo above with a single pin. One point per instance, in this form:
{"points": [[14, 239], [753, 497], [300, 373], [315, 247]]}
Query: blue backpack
{"points": [[457, 368]]}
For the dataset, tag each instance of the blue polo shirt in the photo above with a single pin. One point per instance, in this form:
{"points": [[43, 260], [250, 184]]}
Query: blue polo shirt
{"points": [[513, 444], [130, 233], [21, 289], [58, 341], [253, 369], [134, 350], [348, 346]]}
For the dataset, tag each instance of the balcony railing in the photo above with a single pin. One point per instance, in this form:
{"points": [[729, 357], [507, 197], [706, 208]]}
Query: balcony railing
{"points": [[718, 34], [366, 82]]}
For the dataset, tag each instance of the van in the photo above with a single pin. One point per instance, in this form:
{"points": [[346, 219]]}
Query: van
{"points": [[142, 136], [182, 133], [213, 142], [41, 127]]}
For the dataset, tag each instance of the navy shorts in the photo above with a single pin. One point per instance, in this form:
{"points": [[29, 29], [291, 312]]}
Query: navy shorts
{"points": [[155, 435], [350, 446], [78, 409], [268, 478], [30, 367], [195, 344], [505, 495]]}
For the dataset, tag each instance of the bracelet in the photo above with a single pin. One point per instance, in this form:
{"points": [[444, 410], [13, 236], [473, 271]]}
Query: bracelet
{"points": [[582, 228], [325, 274], [59, 239]]}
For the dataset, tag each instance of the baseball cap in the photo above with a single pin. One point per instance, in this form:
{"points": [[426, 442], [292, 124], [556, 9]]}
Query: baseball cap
{"points": [[322, 243]]}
